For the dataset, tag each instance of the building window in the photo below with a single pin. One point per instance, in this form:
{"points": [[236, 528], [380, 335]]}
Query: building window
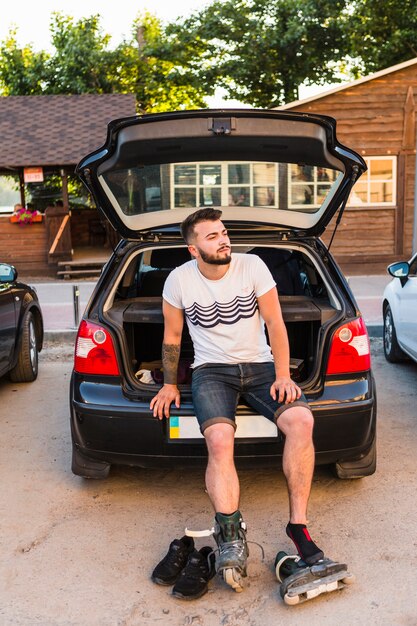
{"points": [[308, 186], [225, 184], [377, 186]]}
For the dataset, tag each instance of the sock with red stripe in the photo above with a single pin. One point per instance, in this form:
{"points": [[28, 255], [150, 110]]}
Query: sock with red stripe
{"points": [[306, 548]]}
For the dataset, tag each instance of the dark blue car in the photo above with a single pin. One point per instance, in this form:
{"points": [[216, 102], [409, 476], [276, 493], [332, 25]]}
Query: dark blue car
{"points": [[279, 178]]}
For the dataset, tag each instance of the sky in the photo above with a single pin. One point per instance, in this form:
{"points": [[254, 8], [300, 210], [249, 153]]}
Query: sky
{"points": [[32, 20]]}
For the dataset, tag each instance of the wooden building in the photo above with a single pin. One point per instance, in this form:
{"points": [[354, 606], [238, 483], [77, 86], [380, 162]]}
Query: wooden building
{"points": [[376, 117], [51, 134]]}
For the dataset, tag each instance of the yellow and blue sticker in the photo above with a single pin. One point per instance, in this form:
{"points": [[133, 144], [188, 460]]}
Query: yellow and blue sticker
{"points": [[174, 427]]}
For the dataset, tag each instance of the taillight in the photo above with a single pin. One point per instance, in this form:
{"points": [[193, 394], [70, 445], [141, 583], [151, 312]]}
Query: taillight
{"points": [[350, 349], [94, 351]]}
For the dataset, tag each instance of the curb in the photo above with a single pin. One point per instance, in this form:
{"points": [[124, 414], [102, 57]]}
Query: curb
{"points": [[375, 330], [56, 337]]}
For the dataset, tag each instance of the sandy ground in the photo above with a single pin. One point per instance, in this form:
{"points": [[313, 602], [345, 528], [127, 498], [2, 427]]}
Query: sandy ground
{"points": [[80, 553]]}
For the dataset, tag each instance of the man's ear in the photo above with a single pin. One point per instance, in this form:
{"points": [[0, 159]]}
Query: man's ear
{"points": [[193, 251]]}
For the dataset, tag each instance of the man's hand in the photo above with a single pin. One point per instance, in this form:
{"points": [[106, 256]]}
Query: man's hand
{"points": [[161, 403], [286, 388]]}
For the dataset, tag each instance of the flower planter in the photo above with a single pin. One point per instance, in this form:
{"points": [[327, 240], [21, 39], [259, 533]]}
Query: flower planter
{"points": [[36, 218]]}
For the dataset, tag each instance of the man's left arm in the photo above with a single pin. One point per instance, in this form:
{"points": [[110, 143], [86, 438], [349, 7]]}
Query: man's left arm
{"points": [[283, 388]]}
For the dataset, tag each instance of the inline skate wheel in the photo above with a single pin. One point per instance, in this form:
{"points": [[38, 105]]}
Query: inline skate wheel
{"points": [[349, 579], [291, 600], [233, 579]]}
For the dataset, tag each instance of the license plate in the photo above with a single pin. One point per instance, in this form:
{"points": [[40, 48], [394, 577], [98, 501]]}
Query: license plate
{"points": [[248, 426]]}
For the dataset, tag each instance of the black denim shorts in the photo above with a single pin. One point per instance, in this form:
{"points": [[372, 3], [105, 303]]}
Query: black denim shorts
{"points": [[217, 389]]}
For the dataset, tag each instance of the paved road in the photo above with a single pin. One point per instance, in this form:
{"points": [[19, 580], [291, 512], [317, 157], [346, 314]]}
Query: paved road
{"points": [[57, 300], [368, 291], [79, 553]]}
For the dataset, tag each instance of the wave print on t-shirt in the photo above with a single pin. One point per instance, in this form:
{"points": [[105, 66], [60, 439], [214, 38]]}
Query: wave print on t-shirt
{"points": [[222, 313]]}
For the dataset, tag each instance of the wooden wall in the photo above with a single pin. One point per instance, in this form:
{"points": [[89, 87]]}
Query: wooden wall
{"points": [[25, 247], [90, 228], [376, 118], [86, 228]]}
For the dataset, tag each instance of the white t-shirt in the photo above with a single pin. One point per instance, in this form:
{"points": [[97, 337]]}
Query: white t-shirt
{"points": [[222, 315]]}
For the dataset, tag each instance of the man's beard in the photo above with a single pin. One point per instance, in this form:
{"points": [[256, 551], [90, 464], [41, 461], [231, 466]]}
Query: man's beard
{"points": [[214, 260]]}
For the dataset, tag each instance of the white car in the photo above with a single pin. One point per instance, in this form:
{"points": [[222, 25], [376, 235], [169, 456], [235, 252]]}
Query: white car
{"points": [[399, 310]]}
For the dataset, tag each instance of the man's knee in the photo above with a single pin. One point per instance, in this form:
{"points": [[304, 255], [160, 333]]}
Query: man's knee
{"points": [[297, 420], [220, 439]]}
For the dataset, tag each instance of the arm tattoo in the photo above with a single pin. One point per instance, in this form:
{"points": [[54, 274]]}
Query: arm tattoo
{"points": [[170, 358]]}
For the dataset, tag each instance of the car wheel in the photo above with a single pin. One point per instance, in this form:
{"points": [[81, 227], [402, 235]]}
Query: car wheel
{"points": [[392, 350], [365, 466], [26, 368]]}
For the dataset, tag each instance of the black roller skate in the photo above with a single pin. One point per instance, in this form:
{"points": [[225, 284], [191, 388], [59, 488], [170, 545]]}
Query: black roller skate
{"points": [[230, 534], [301, 582]]}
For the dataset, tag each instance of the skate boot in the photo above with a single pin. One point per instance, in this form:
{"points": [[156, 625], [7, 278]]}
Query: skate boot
{"points": [[230, 536], [301, 582]]}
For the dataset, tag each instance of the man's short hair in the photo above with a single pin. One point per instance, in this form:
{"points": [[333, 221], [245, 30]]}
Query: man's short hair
{"points": [[202, 215]]}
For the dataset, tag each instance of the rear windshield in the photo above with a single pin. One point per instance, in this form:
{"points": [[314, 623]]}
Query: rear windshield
{"points": [[284, 186]]}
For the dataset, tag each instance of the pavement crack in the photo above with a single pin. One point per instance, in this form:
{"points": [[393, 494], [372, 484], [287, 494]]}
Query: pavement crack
{"points": [[33, 544], [25, 548]]}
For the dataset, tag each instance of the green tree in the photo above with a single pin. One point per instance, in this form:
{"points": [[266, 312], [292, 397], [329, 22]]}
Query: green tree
{"points": [[382, 33], [22, 70], [157, 67], [82, 61], [261, 51]]}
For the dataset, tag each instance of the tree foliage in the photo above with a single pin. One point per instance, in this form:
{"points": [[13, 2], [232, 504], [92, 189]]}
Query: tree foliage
{"points": [[157, 69], [22, 70], [382, 33], [261, 51], [82, 61]]}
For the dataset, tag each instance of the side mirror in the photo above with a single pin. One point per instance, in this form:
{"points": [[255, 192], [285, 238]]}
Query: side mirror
{"points": [[399, 270], [8, 273]]}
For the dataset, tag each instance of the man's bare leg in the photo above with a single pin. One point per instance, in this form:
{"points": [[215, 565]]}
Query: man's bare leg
{"points": [[221, 477], [298, 464], [223, 488], [298, 461]]}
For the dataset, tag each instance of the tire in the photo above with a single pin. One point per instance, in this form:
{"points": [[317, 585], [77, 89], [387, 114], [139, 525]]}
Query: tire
{"points": [[88, 468], [365, 466], [26, 368], [392, 350]]}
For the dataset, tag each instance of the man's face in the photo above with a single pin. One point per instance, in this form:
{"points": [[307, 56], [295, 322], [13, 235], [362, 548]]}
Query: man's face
{"points": [[211, 243]]}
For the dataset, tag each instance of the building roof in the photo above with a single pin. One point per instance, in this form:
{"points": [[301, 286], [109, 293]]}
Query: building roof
{"points": [[56, 130], [354, 83]]}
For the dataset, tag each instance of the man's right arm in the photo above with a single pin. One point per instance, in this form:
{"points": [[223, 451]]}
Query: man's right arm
{"points": [[171, 346]]}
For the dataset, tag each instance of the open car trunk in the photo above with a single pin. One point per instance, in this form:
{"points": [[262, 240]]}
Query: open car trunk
{"points": [[135, 309]]}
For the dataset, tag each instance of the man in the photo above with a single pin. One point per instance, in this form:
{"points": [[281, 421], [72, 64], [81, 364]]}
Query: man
{"points": [[226, 299]]}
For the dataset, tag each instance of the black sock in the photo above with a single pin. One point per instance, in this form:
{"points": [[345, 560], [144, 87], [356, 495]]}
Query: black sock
{"points": [[306, 548]]}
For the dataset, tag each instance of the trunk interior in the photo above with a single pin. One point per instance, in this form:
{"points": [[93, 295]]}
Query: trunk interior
{"points": [[136, 307]]}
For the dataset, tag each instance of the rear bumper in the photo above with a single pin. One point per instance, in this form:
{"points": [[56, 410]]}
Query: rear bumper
{"points": [[107, 426]]}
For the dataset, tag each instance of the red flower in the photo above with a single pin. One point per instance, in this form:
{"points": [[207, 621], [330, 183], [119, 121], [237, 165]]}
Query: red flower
{"points": [[25, 216]]}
